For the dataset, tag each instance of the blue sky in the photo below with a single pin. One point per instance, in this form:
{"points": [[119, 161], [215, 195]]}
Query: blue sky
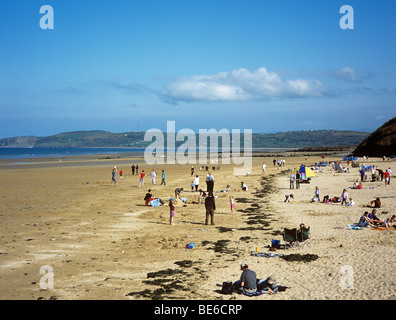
{"points": [[269, 66]]}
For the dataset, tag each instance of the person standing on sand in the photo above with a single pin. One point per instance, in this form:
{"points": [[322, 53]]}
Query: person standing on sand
{"points": [[232, 203], [172, 212], [137, 169], [153, 175], [317, 193], [141, 182], [298, 180], [133, 169], [210, 207], [113, 176], [292, 180], [196, 182]]}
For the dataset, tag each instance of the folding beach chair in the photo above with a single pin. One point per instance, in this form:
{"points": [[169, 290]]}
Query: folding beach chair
{"points": [[303, 236], [290, 238]]}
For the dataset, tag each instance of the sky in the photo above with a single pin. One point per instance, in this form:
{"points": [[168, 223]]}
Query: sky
{"points": [[265, 65]]}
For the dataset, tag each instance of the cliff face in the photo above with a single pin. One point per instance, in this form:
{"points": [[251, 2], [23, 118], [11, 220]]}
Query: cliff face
{"points": [[382, 142], [19, 142]]}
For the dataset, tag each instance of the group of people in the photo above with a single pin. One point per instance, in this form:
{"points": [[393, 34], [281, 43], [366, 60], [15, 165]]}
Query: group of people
{"points": [[371, 220], [377, 174]]}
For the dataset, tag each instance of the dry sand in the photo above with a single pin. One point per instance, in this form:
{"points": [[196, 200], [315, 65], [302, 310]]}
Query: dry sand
{"points": [[102, 242]]}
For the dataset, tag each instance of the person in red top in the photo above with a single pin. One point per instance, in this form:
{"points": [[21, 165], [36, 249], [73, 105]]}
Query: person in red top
{"points": [[386, 176], [142, 175]]}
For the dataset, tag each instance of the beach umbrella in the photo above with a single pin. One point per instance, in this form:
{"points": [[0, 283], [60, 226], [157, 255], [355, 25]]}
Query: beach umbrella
{"points": [[304, 172]]}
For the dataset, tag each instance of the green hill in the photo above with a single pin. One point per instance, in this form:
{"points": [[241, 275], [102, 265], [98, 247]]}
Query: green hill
{"points": [[102, 139]]}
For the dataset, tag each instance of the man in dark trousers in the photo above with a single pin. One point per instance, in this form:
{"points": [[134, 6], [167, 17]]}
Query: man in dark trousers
{"points": [[298, 180], [210, 207]]}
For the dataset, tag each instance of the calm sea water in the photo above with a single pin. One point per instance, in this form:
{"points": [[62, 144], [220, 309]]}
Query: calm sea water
{"points": [[25, 153]]}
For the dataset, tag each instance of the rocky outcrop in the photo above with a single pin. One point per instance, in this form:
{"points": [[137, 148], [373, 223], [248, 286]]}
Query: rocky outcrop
{"points": [[18, 142], [382, 142]]}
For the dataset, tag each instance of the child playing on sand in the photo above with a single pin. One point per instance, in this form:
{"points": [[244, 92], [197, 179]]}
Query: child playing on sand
{"points": [[344, 197], [288, 196], [121, 177], [317, 192], [172, 212], [232, 203]]}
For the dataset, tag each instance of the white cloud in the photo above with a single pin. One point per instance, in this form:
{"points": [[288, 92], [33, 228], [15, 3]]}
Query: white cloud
{"points": [[351, 75], [240, 85]]}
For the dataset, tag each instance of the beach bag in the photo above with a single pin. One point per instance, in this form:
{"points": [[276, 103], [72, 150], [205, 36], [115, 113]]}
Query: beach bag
{"points": [[227, 287], [315, 199]]}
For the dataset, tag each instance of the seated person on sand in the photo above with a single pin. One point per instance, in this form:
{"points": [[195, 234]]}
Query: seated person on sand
{"points": [[374, 218], [358, 185], [248, 280], [149, 197], [365, 221], [244, 186], [288, 196], [389, 222], [375, 203], [351, 202]]}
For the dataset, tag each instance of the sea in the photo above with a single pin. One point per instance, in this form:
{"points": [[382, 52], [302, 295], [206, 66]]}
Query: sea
{"points": [[27, 153]]}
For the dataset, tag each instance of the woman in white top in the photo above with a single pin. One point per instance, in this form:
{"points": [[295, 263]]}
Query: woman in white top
{"points": [[196, 182]]}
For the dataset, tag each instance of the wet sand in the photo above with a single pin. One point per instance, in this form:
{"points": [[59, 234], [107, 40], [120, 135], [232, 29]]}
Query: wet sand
{"points": [[102, 242]]}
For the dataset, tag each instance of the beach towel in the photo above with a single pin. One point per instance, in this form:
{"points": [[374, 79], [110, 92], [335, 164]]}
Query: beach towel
{"points": [[383, 229], [266, 255], [155, 203]]}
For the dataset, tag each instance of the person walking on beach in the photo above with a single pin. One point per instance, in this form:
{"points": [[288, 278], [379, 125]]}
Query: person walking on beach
{"points": [[137, 169], [344, 197], [141, 182], [113, 177], [263, 168], [172, 212], [133, 169], [192, 171], [163, 178], [210, 207]]}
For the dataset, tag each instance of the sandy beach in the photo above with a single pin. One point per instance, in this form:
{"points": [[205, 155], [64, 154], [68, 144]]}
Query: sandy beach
{"points": [[103, 242]]}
